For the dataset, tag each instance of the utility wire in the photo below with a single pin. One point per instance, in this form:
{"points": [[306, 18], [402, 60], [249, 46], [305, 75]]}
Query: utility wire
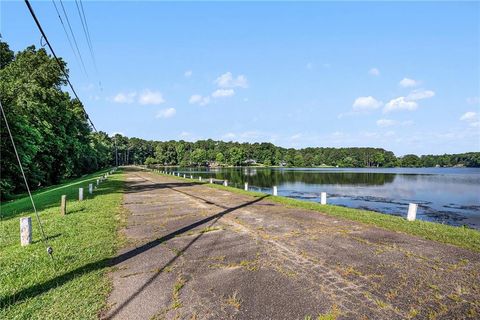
{"points": [[66, 33], [44, 238], [27, 2], [73, 36], [83, 19], [90, 44]]}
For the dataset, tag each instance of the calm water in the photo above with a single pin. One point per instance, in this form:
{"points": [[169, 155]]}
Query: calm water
{"points": [[445, 195]]}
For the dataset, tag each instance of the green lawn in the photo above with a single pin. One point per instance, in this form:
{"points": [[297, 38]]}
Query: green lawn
{"points": [[73, 284], [458, 236]]}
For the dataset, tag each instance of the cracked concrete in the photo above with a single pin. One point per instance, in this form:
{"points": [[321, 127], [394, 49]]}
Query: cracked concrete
{"points": [[196, 252]]}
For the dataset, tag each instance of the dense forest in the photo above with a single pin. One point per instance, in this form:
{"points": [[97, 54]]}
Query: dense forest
{"points": [[55, 141]]}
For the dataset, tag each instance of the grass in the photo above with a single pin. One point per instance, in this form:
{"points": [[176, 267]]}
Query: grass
{"points": [[459, 236], [73, 285], [48, 197]]}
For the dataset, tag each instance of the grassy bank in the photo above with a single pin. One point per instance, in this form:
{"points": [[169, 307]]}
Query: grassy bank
{"points": [[72, 285], [458, 236]]}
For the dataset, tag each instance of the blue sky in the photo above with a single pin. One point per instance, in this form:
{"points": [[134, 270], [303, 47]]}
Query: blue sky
{"points": [[402, 76]]}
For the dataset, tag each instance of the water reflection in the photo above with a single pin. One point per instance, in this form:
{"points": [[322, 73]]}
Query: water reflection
{"points": [[446, 195]]}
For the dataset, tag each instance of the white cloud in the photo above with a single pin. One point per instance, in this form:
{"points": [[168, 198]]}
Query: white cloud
{"points": [[400, 103], [185, 134], [420, 94], [296, 136], [469, 116], [227, 80], [188, 73], [151, 97], [386, 122], [125, 97], [198, 99], [166, 113], [366, 103], [408, 102], [220, 93], [229, 135], [374, 72], [473, 100], [408, 83], [309, 66]]}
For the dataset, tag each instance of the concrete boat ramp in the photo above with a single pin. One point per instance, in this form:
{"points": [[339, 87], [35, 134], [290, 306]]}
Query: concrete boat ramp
{"points": [[196, 252]]}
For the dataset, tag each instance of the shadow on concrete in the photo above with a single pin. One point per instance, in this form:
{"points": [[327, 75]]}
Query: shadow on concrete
{"points": [[41, 288]]}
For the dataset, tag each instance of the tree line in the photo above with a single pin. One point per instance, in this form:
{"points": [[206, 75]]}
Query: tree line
{"points": [[55, 141]]}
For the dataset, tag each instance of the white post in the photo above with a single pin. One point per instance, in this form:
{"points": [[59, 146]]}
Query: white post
{"points": [[225, 183], [90, 188], [323, 198], [184, 176], [199, 178], [25, 231], [80, 194], [191, 177], [211, 180], [98, 181], [246, 186], [412, 211]]}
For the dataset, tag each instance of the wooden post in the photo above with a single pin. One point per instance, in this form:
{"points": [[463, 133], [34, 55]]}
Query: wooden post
{"points": [[323, 198], [274, 190], [63, 205], [90, 188], [25, 231], [80, 194], [246, 186], [412, 211], [225, 183]]}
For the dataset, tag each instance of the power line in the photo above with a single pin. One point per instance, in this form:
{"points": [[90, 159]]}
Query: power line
{"points": [[66, 33], [89, 38], [83, 19], [44, 238], [27, 2], [73, 36]]}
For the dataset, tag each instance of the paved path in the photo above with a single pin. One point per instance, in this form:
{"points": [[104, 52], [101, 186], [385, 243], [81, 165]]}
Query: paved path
{"points": [[196, 252]]}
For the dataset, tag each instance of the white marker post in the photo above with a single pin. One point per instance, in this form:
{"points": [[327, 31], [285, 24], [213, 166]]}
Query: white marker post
{"points": [[184, 176], [246, 186], [211, 180], [323, 198], [80, 194], [25, 231], [98, 181], [200, 179], [191, 177], [63, 205], [90, 188], [225, 183], [275, 190], [412, 211]]}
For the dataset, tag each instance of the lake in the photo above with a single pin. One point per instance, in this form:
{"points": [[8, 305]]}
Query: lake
{"points": [[444, 195]]}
